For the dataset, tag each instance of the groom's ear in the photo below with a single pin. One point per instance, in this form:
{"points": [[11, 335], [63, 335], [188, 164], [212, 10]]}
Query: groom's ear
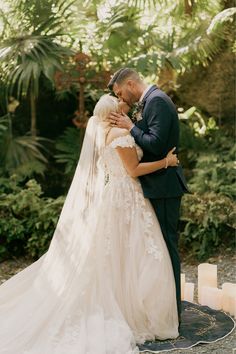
{"points": [[130, 83]]}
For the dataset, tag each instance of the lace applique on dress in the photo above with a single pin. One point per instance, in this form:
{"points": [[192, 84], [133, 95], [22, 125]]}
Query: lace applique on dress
{"points": [[151, 247], [123, 141], [128, 196]]}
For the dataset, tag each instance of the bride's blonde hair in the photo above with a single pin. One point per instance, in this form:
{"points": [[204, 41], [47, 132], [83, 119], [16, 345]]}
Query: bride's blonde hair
{"points": [[104, 106]]}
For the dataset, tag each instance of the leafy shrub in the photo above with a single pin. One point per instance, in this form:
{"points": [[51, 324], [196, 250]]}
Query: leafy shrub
{"points": [[68, 146], [209, 221], [215, 169], [207, 214], [22, 155], [27, 219]]}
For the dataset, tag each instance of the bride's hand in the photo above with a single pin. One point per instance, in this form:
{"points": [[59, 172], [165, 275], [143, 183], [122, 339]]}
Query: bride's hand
{"points": [[172, 159]]}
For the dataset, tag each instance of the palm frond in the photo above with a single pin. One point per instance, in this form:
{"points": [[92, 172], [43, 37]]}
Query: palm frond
{"points": [[220, 19], [142, 4], [18, 153], [68, 146], [35, 55]]}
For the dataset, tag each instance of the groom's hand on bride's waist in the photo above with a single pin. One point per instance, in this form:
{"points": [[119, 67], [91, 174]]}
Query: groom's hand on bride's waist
{"points": [[120, 120]]}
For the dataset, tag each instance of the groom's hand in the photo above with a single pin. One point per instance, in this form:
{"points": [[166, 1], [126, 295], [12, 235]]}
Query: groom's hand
{"points": [[120, 120]]}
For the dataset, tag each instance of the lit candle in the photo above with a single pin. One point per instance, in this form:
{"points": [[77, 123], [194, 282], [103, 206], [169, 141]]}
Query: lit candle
{"points": [[189, 292], [182, 285], [229, 292], [211, 297], [207, 276]]}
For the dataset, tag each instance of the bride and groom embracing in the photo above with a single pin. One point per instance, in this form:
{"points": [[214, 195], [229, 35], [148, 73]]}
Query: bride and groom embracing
{"points": [[111, 277]]}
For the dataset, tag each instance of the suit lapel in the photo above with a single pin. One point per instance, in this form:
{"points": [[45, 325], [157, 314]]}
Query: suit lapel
{"points": [[152, 88], [141, 124]]}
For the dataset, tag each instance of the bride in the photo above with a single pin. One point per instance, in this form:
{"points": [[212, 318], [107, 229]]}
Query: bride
{"points": [[106, 282]]}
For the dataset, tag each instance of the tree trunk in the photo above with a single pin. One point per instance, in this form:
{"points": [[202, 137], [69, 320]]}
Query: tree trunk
{"points": [[167, 78], [188, 5], [33, 112]]}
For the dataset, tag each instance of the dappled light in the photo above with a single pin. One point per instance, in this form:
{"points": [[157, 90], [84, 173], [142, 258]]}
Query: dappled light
{"points": [[57, 58]]}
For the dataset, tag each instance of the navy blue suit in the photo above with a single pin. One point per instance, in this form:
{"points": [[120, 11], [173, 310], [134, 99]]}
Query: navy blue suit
{"points": [[156, 133]]}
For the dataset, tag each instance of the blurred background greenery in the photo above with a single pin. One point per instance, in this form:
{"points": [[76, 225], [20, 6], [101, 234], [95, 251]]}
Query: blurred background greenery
{"points": [[55, 60]]}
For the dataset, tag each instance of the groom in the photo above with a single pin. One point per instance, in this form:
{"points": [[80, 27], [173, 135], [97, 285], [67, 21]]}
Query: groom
{"points": [[156, 132]]}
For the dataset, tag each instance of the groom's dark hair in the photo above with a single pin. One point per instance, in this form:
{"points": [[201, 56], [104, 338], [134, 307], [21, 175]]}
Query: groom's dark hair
{"points": [[121, 75]]}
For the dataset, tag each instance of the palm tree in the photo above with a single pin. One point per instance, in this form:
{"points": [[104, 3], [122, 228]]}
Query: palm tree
{"points": [[33, 50], [21, 155], [156, 36], [30, 49]]}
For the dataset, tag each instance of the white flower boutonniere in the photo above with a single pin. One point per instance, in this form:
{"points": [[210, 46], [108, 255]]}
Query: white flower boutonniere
{"points": [[137, 112]]}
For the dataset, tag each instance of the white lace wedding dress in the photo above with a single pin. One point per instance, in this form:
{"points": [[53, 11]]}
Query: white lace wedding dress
{"points": [[103, 297]]}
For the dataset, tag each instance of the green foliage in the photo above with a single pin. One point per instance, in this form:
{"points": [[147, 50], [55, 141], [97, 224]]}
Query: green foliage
{"points": [[214, 173], [20, 154], [27, 219], [158, 34], [29, 48], [68, 147], [209, 222], [209, 213], [195, 128], [146, 34], [131, 31], [28, 58]]}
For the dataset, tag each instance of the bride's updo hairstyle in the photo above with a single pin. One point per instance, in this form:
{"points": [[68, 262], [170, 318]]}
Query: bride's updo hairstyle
{"points": [[104, 107]]}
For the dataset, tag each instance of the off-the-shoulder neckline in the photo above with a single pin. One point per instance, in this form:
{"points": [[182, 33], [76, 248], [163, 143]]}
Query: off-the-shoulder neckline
{"points": [[119, 137]]}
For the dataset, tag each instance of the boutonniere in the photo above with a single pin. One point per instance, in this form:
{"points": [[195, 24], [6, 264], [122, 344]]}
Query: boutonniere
{"points": [[137, 112]]}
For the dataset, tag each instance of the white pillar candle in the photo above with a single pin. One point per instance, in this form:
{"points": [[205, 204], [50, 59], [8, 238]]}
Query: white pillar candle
{"points": [[234, 307], [232, 304], [182, 285], [229, 292], [189, 292], [207, 276], [211, 297]]}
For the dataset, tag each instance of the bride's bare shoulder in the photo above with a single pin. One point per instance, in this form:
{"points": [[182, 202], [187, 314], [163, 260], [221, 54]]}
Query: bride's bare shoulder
{"points": [[116, 133]]}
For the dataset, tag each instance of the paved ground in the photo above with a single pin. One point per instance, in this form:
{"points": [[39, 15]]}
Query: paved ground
{"points": [[226, 262]]}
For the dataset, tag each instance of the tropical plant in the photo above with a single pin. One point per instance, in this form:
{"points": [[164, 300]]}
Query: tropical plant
{"points": [[208, 221], [155, 35], [27, 219], [68, 148], [20, 154], [209, 212], [29, 48], [215, 168]]}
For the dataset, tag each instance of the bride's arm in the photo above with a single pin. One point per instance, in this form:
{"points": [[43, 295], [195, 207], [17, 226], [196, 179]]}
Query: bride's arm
{"points": [[135, 168]]}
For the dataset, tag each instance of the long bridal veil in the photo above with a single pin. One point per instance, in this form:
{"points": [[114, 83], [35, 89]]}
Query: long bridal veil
{"points": [[43, 308]]}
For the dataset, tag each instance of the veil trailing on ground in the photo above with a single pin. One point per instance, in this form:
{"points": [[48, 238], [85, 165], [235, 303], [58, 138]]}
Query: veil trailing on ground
{"points": [[104, 282], [84, 196], [49, 286]]}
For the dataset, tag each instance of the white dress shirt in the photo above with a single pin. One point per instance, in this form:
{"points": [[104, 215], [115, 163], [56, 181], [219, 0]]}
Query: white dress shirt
{"points": [[144, 92]]}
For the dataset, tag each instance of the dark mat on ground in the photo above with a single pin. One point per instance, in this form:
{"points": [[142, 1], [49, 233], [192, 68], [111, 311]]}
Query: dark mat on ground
{"points": [[200, 324]]}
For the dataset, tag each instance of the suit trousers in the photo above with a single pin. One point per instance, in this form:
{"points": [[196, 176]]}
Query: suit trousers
{"points": [[167, 211]]}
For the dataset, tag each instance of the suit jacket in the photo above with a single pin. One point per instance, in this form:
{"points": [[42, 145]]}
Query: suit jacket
{"points": [[156, 134]]}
